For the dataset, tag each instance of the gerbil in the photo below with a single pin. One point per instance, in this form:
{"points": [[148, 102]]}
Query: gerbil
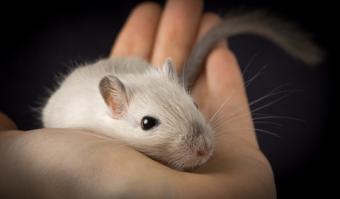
{"points": [[144, 106], [148, 107]]}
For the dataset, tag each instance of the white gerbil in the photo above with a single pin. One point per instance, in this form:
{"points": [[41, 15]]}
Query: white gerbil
{"points": [[144, 106], [148, 107]]}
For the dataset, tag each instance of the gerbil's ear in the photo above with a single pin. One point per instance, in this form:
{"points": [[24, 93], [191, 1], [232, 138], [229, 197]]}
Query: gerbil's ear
{"points": [[169, 69], [114, 94]]}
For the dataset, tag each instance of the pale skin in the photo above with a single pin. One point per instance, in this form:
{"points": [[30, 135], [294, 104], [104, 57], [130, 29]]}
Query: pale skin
{"points": [[65, 163]]}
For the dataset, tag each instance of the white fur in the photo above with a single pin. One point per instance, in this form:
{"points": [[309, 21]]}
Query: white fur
{"points": [[77, 103]]}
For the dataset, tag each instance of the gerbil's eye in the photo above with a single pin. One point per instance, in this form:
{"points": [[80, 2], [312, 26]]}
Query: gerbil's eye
{"points": [[196, 105], [148, 122]]}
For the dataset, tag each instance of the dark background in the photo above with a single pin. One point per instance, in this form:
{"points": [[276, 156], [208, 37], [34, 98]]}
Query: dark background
{"points": [[40, 40]]}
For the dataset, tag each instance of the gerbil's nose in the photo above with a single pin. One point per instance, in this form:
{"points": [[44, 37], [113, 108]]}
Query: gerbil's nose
{"points": [[201, 152]]}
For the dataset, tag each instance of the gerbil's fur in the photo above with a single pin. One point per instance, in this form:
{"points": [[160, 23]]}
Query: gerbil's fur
{"points": [[117, 96], [133, 89]]}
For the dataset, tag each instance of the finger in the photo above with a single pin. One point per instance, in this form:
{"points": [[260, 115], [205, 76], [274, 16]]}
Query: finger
{"points": [[225, 81], [223, 73], [209, 20], [221, 61], [138, 34], [177, 31], [222, 78], [6, 123]]}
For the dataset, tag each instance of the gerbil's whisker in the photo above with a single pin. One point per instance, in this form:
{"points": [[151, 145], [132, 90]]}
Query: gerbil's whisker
{"points": [[237, 116], [221, 106], [267, 132], [230, 116], [257, 130], [221, 120], [271, 94], [281, 86], [257, 118], [277, 117], [250, 62], [268, 122], [271, 103], [260, 72], [274, 91]]}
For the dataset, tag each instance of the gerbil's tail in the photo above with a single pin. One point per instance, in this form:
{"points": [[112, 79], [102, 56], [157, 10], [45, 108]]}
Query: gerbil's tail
{"points": [[286, 35]]}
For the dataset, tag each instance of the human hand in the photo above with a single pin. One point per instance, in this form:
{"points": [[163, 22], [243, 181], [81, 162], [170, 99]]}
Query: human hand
{"points": [[153, 36], [89, 163], [219, 91]]}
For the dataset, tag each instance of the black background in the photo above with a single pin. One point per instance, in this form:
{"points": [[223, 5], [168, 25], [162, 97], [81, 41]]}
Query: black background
{"points": [[39, 40]]}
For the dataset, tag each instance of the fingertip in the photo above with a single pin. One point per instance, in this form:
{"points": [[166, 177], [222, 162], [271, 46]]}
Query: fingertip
{"points": [[208, 21], [177, 31], [211, 16], [221, 56], [147, 6], [137, 36], [6, 123], [222, 65]]}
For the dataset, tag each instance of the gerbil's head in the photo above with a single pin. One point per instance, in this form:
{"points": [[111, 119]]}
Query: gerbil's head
{"points": [[159, 117]]}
